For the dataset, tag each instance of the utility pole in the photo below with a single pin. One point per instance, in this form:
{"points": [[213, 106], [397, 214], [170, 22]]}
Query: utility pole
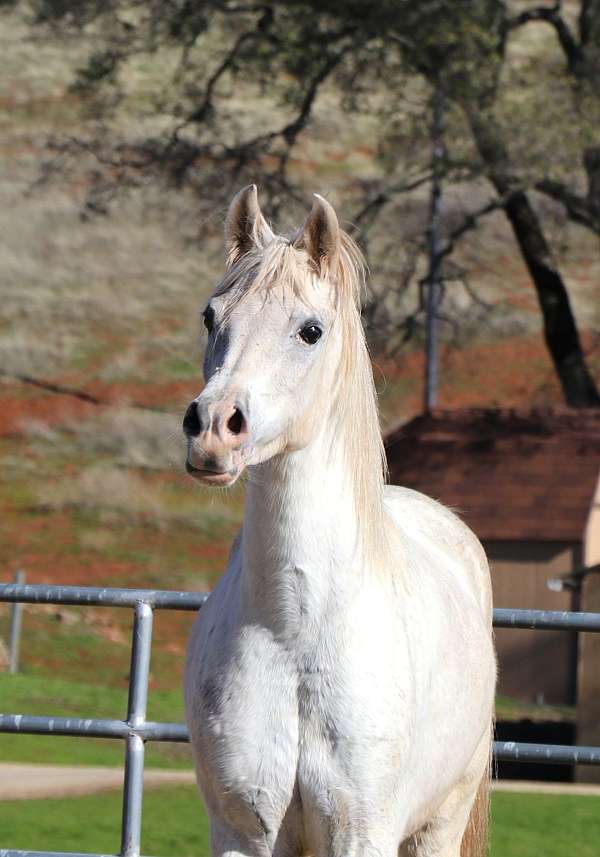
{"points": [[433, 292]]}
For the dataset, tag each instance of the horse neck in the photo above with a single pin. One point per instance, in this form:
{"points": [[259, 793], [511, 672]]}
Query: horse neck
{"points": [[308, 517]]}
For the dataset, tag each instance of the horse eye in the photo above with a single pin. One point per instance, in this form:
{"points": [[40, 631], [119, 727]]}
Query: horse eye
{"points": [[209, 318], [310, 334]]}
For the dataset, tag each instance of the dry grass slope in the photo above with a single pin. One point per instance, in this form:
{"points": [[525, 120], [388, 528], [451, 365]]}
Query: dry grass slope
{"points": [[95, 492]]}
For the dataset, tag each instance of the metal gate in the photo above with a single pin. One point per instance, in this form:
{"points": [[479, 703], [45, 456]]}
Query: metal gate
{"points": [[136, 730]]}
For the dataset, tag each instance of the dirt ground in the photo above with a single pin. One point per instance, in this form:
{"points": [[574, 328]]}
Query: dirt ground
{"points": [[27, 781]]}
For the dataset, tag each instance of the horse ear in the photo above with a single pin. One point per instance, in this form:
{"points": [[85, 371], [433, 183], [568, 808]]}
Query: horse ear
{"points": [[320, 235], [245, 226]]}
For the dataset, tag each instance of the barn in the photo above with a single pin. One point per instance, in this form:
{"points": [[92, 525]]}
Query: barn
{"points": [[527, 482]]}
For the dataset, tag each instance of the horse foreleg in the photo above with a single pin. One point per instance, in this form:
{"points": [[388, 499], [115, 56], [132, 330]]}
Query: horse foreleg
{"points": [[460, 826], [227, 842]]}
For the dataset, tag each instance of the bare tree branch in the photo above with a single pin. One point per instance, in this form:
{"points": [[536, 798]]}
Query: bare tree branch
{"points": [[62, 390], [200, 113], [552, 15], [366, 215], [470, 222], [577, 207]]}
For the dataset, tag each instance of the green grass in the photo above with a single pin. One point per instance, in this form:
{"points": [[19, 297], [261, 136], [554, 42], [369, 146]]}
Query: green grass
{"points": [[174, 823], [515, 709], [529, 825], [39, 695]]}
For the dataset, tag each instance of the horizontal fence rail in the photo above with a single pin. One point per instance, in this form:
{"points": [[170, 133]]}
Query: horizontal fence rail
{"points": [[551, 754], [546, 620], [28, 724], [157, 599], [136, 730]]}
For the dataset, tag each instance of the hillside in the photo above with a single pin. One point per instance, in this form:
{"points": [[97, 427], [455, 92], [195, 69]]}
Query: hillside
{"points": [[100, 352]]}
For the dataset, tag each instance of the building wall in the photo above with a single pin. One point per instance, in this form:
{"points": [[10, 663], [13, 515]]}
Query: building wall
{"points": [[534, 665], [588, 703]]}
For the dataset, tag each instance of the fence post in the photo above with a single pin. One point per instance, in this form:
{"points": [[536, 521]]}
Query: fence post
{"points": [[133, 783], [15, 628]]}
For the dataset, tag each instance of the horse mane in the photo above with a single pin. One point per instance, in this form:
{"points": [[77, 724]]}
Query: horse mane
{"points": [[281, 262]]}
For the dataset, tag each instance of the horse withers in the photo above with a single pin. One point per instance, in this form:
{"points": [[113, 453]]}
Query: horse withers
{"points": [[340, 679]]}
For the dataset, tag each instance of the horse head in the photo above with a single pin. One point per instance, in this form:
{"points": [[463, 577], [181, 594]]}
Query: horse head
{"points": [[277, 327]]}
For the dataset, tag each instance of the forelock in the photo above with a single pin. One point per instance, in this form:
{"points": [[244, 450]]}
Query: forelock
{"points": [[281, 264]]}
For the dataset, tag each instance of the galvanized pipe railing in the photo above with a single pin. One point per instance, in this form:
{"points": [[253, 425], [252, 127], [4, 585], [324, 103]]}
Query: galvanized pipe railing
{"points": [[546, 620], [100, 596], [136, 730], [133, 781]]}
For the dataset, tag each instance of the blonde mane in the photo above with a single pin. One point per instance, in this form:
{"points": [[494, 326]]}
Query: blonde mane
{"points": [[280, 262]]}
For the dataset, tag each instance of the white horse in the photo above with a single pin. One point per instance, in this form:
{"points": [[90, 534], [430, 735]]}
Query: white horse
{"points": [[340, 679]]}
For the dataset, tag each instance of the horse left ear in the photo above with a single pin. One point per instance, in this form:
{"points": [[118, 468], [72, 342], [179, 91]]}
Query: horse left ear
{"points": [[320, 235]]}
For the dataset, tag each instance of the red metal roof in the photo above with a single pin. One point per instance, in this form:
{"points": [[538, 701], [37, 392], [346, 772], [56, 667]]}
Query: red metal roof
{"points": [[511, 474]]}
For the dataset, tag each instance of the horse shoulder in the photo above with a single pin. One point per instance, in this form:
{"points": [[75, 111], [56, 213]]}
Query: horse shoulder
{"points": [[431, 527], [241, 700]]}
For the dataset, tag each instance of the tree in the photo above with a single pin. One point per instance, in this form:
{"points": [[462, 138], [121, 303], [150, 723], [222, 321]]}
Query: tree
{"points": [[561, 335], [581, 49], [291, 51]]}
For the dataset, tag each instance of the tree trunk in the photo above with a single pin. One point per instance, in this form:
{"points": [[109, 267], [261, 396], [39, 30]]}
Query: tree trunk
{"points": [[560, 329]]}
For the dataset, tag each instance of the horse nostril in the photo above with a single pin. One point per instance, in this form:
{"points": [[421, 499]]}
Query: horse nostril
{"points": [[236, 422], [191, 421]]}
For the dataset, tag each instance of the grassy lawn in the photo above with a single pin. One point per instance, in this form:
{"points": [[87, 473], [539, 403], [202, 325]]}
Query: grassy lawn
{"points": [[524, 825], [529, 825], [174, 823], [515, 709]]}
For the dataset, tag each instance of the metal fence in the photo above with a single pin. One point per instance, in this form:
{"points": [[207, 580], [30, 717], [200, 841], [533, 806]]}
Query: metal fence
{"points": [[136, 730]]}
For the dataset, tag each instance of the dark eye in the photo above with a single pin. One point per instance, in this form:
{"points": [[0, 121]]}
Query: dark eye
{"points": [[209, 318], [310, 334]]}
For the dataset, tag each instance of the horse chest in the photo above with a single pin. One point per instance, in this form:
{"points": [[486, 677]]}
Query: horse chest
{"points": [[294, 712], [272, 724]]}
